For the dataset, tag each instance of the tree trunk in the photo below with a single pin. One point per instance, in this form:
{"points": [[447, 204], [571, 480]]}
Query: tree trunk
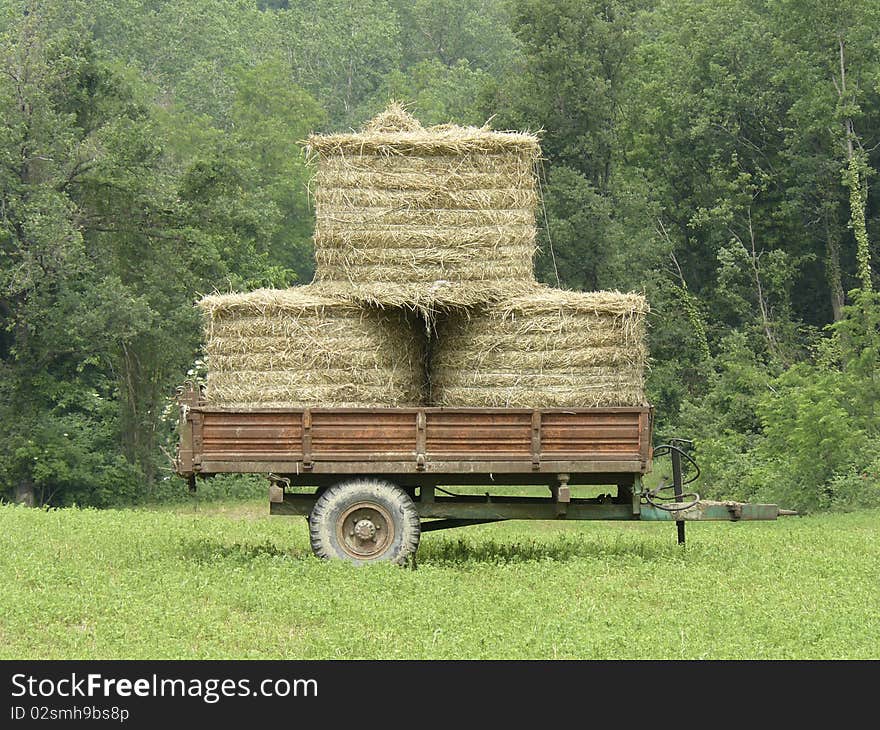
{"points": [[832, 268], [858, 197], [853, 174], [25, 493]]}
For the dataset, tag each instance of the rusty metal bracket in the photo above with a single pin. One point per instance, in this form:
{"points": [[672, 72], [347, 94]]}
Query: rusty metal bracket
{"points": [[536, 440], [197, 420], [307, 440], [421, 440], [277, 485]]}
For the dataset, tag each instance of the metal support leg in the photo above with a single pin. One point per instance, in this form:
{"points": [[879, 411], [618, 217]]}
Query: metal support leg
{"points": [[677, 488], [635, 497], [561, 494]]}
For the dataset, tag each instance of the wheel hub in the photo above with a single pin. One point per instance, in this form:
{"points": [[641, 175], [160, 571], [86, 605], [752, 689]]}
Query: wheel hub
{"points": [[365, 530]]}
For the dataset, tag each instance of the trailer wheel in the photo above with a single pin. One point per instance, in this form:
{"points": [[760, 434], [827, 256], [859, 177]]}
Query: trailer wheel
{"points": [[364, 521]]}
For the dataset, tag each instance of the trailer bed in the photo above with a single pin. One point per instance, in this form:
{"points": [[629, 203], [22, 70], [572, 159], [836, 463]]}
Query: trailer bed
{"points": [[415, 441]]}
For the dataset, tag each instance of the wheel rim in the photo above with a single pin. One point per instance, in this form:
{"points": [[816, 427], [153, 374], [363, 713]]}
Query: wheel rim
{"points": [[365, 530]]}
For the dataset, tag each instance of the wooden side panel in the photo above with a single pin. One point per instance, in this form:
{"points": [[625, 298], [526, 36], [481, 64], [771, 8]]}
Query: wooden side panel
{"points": [[646, 421], [479, 435], [587, 435], [234, 435], [378, 433], [435, 440]]}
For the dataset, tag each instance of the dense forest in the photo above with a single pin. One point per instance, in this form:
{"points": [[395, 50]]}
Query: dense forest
{"points": [[718, 156]]}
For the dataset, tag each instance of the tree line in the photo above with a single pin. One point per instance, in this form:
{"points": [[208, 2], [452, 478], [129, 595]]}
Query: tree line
{"points": [[719, 157]]}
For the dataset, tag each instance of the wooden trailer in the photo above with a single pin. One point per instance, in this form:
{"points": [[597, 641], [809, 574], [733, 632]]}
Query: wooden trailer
{"points": [[371, 480]]}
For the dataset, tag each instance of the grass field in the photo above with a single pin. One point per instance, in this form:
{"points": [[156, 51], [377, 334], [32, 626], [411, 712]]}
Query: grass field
{"points": [[226, 581]]}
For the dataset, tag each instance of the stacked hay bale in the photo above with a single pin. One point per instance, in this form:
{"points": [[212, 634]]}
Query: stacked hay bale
{"points": [[421, 226], [305, 347], [425, 217], [543, 349]]}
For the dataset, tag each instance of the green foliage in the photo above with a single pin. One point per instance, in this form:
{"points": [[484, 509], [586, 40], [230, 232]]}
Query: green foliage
{"points": [[243, 194], [450, 32], [809, 436], [820, 421], [856, 488], [718, 157], [803, 438], [578, 218], [723, 421], [575, 54], [435, 93], [342, 51], [115, 214]]}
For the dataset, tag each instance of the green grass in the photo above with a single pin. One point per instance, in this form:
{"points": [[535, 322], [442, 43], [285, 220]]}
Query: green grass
{"points": [[227, 581]]}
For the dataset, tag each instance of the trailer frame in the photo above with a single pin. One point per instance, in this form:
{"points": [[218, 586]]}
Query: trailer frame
{"points": [[424, 450]]}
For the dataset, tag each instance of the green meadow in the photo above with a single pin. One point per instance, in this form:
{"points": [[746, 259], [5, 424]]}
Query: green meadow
{"points": [[227, 581]]}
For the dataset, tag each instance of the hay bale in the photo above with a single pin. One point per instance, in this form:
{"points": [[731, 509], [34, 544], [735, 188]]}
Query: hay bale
{"points": [[425, 217], [546, 349], [303, 347]]}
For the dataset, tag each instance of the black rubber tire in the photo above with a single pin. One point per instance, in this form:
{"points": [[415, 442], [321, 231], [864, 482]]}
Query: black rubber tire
{"points": [[333, 504]]}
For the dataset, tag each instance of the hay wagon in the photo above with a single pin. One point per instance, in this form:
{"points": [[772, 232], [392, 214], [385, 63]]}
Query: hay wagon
{"points": [[371, 480]]}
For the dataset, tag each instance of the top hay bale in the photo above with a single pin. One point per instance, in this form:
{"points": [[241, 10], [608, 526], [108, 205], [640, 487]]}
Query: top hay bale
{"points": [[305, 348], [549, 348], [425, 217]]}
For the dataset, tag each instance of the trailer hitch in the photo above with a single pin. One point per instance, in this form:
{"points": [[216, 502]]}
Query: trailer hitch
{"points": [[681, 506]]}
